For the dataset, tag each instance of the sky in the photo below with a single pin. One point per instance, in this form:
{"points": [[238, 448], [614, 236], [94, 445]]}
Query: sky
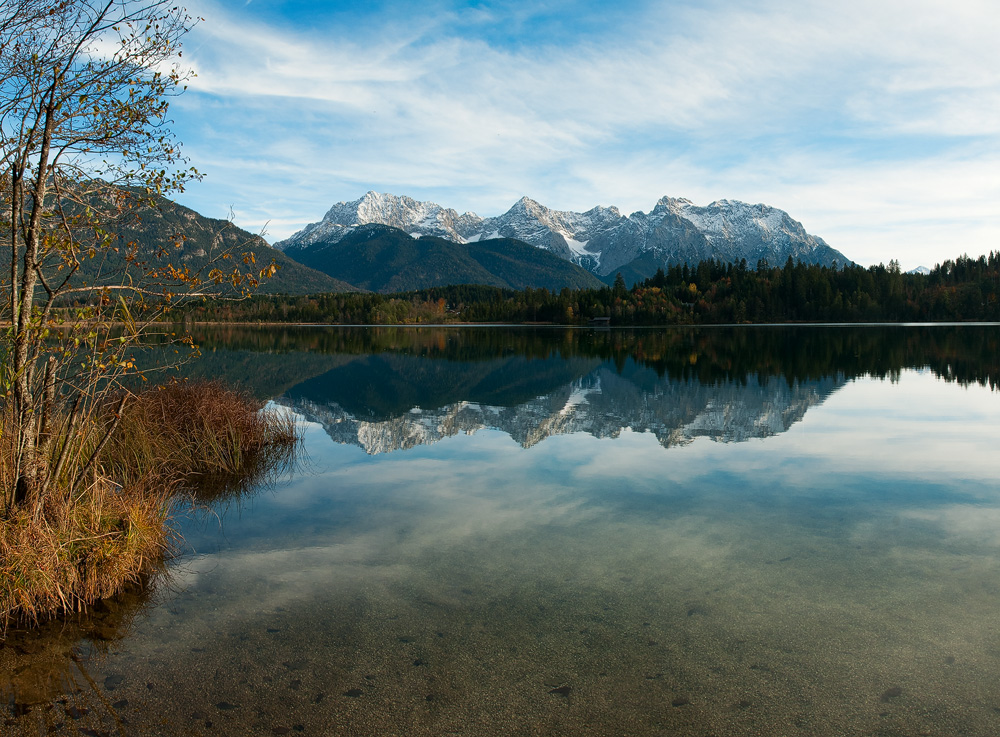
{"points": [[875, 123]]}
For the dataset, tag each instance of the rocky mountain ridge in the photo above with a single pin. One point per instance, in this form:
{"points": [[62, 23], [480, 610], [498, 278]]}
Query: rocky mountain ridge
{"points": [[602, 240]]}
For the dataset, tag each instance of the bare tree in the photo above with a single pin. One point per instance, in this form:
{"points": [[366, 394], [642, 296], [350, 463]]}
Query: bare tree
{"points": [[85, 146]]}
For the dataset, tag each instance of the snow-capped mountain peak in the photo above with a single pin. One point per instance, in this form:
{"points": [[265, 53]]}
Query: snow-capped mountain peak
{"points": [[600, 239]]}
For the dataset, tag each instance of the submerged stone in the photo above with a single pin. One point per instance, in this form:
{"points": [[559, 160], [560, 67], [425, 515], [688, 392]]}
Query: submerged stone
{"points": [[891, 693]]}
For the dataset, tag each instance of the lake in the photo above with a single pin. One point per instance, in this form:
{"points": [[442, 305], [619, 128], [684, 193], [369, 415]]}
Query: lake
{"points": [[541, 531]]}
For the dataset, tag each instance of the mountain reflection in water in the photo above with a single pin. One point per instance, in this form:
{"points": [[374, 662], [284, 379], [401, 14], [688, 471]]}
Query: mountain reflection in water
{"points": [[389, 389], [602, 403], [836, 576]]}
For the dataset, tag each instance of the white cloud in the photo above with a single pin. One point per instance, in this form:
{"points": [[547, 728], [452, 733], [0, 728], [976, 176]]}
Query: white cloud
{"points": [[849, 117]]}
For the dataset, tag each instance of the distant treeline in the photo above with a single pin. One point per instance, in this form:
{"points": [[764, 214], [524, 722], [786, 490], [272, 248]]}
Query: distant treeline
{"points": [[709, 355], [710, 293]]}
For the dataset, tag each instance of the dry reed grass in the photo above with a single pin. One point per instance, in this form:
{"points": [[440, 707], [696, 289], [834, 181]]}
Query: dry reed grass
{"points": [[187, 431], [81, 550], [113, 533]]}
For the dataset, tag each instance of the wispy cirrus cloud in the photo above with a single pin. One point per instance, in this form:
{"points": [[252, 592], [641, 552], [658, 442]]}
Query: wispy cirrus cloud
{"points": [[854, 119]]}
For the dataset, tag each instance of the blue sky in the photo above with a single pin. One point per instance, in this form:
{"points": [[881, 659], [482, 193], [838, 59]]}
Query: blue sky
{"points": [[876, 123]]}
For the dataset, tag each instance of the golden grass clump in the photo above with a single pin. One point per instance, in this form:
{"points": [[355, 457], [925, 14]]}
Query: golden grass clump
{"points": [[81, 550], [83, 545], [187, 430]]}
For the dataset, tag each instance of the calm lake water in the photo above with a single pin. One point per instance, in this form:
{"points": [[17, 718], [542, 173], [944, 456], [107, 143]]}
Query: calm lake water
{"points": [[496, 531]]}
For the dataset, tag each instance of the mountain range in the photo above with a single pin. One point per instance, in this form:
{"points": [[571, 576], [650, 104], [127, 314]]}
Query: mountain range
{"points": [[384, 243], [601, 240], [381, 258]]}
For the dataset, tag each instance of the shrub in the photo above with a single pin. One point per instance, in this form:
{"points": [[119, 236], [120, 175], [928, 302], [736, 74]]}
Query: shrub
{"points": [[83, 544]]}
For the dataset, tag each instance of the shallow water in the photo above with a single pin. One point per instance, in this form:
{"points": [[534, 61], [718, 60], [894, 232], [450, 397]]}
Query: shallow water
{"points": [[731, 532]]}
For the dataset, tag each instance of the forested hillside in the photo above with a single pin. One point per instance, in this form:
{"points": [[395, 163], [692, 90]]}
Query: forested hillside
{"points": [[381, 258], [152, 232]]}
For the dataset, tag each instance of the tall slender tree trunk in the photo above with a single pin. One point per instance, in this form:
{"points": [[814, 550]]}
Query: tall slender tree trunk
{"points": [[30, 467]]}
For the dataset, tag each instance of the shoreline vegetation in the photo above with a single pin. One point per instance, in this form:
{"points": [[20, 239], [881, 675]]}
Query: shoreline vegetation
{"points": [[90, 469], [81, 545], [711, 293]]}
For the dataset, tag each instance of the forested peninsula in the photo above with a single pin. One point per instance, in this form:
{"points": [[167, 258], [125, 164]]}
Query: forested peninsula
{"points": [[713, 292]]}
